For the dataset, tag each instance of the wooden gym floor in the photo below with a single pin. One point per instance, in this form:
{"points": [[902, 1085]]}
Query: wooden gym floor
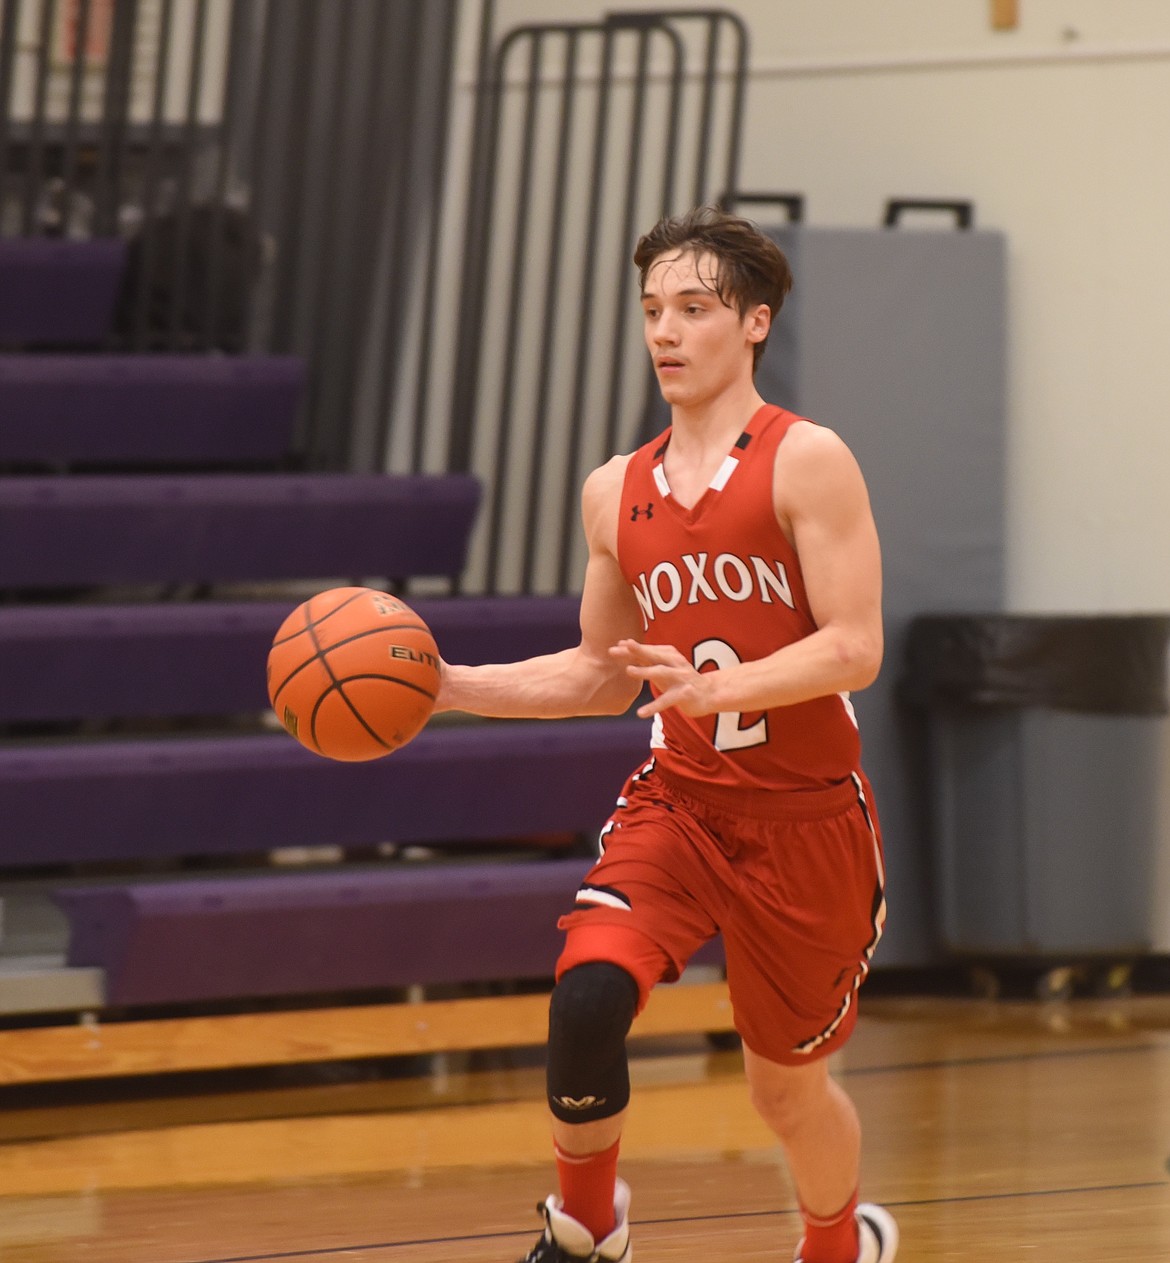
{"points": [[994, 1130]]}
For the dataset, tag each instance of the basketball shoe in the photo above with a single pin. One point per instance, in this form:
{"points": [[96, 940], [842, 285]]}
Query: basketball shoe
{"points": [[564, 1240], [877, 1234]]}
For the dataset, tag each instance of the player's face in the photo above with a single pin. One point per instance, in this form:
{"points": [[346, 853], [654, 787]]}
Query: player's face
{"points": [[700, 346]]}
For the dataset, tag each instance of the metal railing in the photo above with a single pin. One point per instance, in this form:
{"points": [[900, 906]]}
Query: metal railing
{"points": [[261, 158], [288, 176], [586, 133]]}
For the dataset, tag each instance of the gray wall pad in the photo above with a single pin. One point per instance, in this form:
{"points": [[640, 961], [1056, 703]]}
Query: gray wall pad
{"points": [[895, 339]]}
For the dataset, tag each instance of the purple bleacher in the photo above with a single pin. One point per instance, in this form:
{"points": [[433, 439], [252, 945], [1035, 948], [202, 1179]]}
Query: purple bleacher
{"points": [[58, 292], [145, 799], [184, 941], [478, 629], [207, 657], [394, 926], [100, 529], [148, 409]]}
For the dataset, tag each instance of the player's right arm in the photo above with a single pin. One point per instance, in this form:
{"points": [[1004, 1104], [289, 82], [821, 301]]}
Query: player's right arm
{"points": [[584, 680]]}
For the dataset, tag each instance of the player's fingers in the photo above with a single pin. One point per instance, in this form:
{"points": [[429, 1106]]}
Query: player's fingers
{"points": [[662, 655], [662, 675], [667, 697], [670, 686]]}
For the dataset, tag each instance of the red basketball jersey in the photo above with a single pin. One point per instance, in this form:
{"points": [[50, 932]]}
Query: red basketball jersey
{"points": [[721, 583]]}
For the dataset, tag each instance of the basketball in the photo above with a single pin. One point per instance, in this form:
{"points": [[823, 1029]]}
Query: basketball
{"points": [[353, 674]]}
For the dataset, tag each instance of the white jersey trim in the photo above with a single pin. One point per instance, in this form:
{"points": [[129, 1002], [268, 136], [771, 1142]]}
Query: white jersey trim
{"points": [[723, 473]]}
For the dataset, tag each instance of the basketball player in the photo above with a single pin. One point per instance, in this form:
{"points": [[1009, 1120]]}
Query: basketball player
{"points": [[734, 567]]}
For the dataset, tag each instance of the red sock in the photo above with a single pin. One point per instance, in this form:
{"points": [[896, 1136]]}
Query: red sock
{"points": [[833, 1238], [587, 1187]]}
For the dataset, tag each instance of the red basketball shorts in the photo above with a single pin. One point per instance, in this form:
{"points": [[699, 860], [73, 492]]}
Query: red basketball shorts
{"points": [[796, 890]]}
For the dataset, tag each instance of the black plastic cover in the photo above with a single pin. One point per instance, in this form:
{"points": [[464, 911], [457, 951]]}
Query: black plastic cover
{"points": [[1108, 664]]}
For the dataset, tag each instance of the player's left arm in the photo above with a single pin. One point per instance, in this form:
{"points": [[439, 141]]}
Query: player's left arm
{"points": [[823, 505]]}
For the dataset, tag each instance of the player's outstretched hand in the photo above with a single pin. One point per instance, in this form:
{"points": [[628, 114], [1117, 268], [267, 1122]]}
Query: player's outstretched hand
{"points": [[676, 681]]}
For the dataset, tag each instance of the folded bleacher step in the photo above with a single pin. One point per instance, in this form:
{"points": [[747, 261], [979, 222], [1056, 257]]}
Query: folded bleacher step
{"points": [[72, 802], [193, 658], [101, 529], [393, 926], [59, 292], [191, 410]]}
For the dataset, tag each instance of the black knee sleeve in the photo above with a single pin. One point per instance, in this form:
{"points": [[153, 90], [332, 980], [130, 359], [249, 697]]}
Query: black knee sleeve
{"points": [[590, 1014]]}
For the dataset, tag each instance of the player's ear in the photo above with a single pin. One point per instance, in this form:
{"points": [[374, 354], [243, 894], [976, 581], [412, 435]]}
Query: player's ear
{"points": [[758, 322]]}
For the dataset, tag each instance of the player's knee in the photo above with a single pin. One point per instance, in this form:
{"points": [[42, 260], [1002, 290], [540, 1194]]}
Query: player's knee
{"points": [[591, 1011], [787, 1100], [780, 1107], [590, 1014]]}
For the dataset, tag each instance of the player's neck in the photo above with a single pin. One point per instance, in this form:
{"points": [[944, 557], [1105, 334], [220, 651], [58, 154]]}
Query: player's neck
{"points": [[700, 440], [713, 426]]}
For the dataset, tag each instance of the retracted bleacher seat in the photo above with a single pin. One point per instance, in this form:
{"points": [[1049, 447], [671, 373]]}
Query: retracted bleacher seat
{"points": [[221, 798], [200, 658], [148, 410], [181, 941], [136, 736], [147, 801], [99, 529], [55, 292], [194, 796]]}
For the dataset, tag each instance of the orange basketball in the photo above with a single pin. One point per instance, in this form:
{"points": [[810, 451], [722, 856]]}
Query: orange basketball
{"points": [[353, 673]]}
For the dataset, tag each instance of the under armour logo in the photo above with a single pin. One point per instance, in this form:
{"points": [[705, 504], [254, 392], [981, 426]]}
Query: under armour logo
{"points": [[579, 1102], [637, 511]]}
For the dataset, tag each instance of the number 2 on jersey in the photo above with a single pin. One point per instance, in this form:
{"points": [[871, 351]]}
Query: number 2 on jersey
{"points": [[728, 733]]}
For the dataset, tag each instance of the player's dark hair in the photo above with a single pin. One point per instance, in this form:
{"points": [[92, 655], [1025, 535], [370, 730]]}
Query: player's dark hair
{"points": [[750, 268]]}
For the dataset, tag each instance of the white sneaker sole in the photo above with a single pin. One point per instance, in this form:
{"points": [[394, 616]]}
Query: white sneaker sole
{"points": [[879, 1234]]}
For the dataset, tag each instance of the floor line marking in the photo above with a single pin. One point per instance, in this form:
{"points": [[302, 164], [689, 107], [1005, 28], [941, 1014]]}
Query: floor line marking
{"points": [[683, 1219]]}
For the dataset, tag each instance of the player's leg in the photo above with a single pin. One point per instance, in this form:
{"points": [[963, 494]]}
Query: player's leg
{"points": [[815, 1122], [588, 1082], [635, 923], [592, 1007], [810, 912]]}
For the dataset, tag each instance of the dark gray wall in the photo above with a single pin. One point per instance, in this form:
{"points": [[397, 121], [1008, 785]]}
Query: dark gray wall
{"points": [[895, 339]]}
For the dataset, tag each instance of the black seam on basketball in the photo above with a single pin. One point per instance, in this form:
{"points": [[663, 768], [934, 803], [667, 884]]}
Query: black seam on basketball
{"points": [[310, 623], [374, 631], [308, 662], [393, 679], [336, 686], [323, 655], [309, 626], [312, 723]]}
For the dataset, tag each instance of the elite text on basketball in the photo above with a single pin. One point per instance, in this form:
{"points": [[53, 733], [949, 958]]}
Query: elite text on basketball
{"points": [[414, 655]]}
